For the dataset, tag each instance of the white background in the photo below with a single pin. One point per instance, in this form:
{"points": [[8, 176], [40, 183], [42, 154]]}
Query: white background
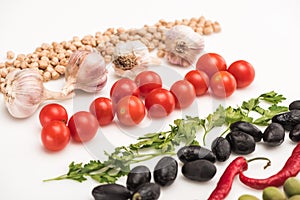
{"points": [[265, 33]]}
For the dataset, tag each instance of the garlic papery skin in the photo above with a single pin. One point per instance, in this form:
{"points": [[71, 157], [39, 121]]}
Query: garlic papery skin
{"points": [[183, 45], [132, 57], [85, 71], [24, 92]]}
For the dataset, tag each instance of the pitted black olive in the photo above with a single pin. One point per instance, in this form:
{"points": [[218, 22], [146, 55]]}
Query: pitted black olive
{"points": [[241, 143], [295, 105], [138, 176], [288, 119], [165, 171], [248, 128], [147, 191], [294, 134], [191, 153], [221, 148], [199, 170], [111, 192], [274, 134]]}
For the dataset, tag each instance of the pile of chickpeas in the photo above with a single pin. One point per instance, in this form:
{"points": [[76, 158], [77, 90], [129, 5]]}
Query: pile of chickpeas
{"points": [[51, 59]]}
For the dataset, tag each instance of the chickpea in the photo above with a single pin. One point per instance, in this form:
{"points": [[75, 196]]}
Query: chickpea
{"points": [[46, 76], [10, 55], [60, 69], [2, 65]]}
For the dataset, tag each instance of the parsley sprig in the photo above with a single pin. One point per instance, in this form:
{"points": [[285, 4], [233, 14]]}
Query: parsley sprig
{"points": [[265, 106], [183, 131]]}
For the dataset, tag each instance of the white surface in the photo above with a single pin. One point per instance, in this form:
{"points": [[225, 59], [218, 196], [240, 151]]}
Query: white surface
{"points": [[265, 33]]}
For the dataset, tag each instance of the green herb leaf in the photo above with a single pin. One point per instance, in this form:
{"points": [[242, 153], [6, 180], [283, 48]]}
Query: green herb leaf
{"points": [[272, 97], [216, 119], [250, 105]]}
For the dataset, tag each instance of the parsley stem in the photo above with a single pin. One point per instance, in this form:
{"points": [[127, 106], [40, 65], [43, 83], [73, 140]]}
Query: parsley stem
{"points": [[226, 130], [149, 156], [62, 177], [206, 131]]}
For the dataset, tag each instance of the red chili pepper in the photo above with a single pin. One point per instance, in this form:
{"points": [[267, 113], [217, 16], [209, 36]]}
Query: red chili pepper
{"points": [[237, 166], [224, 185], [291, 168]]}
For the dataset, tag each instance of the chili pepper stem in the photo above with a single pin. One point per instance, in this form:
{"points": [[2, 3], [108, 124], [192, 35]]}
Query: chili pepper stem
{"points": [[261, 158]]}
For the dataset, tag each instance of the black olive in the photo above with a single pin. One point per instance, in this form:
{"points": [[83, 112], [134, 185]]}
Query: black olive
{"points": [[288, 119], [295, 105], [138, 176], [221, 148], [165, 171], [248, 128], [294, 134], [147, 191], [191, 153], [111, 192], [274, 134], [199, 170], [240, 142]]}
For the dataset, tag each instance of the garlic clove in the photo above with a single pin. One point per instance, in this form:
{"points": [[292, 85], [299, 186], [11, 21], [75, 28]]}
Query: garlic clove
{"points": [[91, 78], [183, 45], [85, 71]]}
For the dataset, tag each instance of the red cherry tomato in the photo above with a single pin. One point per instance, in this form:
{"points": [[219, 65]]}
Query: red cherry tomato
{"points": [[123, 87], [184, 93], [52, 112], [130, 110], [243, 73], [55, 135], [148, 81], [223, 84], [200, 81], [211, 63], [83, 126], [102, 109], [160, 103]]}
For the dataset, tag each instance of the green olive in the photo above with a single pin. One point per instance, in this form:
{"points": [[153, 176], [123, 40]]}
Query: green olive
{"points": [[295, 197], [248, 197], [291, 186], [273, 193]]}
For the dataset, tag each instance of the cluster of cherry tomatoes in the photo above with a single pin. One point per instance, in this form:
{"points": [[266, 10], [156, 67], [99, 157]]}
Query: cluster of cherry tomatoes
{"points": [[223, 81], [58, 129], [130, 100]]}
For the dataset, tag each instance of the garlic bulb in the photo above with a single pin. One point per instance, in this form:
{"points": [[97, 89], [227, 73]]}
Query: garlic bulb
{"points": [[86, 71], [131, 58], [183, 45], [24, 92]]}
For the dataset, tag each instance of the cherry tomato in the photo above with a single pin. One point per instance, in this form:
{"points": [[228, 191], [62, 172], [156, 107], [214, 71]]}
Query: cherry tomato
{"points": [[148, 81], [184, 93], [223, 84], [123, 87], [160, 103], [51, 112], [243, 73], [102, 109], [211, 63], [130, 110], [55, 135], [199, 80], [83, 126]]}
